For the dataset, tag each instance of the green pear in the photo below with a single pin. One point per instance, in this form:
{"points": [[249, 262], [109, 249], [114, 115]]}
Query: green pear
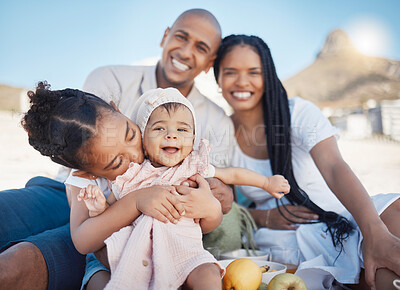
{"points": [[286, 281]]}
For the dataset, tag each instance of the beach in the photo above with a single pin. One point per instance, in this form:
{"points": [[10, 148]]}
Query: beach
{"points": [[376, 161]]}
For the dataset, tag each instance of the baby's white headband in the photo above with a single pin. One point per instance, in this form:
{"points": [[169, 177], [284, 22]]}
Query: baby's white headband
{"points": [[152, 99]]}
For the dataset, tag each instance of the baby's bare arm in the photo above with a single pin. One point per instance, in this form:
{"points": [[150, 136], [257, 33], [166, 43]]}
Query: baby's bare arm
{"points": [[276, 185]]}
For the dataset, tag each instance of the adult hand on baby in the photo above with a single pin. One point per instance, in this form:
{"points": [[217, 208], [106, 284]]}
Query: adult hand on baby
{"points": [[192, 184], [274, 220], [198, 202], [222, 192], [160, 202]]}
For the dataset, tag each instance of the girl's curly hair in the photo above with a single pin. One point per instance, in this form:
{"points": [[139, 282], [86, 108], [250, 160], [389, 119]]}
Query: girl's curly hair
{"points": [[59, 123]]}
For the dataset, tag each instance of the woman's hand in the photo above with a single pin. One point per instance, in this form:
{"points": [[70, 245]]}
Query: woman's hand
{"points": [[159, 202], [274, 220], [380, 250]]}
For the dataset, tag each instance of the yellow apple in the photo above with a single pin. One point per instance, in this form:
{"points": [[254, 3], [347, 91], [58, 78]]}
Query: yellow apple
{"points": [[286, 281], [242, 274]]}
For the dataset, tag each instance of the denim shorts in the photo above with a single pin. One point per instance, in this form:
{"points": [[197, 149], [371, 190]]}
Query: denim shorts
{"points": [[39, 213], [92, 267]]}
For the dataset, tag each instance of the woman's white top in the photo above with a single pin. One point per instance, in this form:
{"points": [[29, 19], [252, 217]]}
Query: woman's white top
{"points": [[321, 263], [309, 126]]}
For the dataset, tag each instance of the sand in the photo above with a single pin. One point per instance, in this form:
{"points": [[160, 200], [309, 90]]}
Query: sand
{"points": [[375, 161], [18, 160]]}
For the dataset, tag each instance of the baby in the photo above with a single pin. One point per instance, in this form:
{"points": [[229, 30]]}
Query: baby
{"points": [[167, 122]]}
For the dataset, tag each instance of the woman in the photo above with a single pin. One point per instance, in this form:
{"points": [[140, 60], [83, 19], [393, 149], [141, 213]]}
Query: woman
{"points": [[275, 135]]}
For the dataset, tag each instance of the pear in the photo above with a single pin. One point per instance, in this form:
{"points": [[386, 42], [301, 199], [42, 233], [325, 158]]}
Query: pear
{"points": [[286, 281]]}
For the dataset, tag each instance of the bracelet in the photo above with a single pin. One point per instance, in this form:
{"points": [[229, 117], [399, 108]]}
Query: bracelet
{"points": [[267, 218]]}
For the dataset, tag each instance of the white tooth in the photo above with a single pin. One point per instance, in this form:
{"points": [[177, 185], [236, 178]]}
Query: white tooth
{"points": [[241, 95], [179, 65]]}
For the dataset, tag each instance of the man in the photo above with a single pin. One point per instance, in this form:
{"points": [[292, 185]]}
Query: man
{"points": [[189, 47]]}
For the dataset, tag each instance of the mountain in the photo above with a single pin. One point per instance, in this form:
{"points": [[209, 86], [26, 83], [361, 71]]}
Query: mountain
{"points": [[10, 97], [341, 76]]}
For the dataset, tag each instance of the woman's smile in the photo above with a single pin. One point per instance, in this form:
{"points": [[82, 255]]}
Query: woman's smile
{"points": [[242, 95]]}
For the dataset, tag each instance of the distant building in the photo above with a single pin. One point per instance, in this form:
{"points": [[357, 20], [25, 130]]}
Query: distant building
{"points": [[358, 126], [391, 118], [375, 120], [358, 123]]}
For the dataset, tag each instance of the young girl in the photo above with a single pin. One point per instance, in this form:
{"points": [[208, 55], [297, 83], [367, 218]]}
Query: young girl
{"points": [[56, 129], [79, 130], [167, 121]]}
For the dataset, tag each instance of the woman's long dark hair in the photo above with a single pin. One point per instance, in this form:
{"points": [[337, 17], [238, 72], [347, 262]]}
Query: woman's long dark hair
{"points": [[277, 123], [60, 123]]}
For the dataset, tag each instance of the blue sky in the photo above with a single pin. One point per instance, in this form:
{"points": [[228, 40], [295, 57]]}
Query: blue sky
{"points": [[62, 41]]}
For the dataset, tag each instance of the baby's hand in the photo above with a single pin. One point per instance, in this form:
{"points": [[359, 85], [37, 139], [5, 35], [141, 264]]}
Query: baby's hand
{"points": [[277, 185], [94, 199]]}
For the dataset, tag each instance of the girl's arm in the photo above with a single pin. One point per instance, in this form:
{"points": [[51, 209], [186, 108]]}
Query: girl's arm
{"points": [[200, 203], [276, 185], [88, 234], [378, 242]]}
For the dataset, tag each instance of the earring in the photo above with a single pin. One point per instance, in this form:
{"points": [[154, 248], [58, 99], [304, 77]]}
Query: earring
{"points": [[219, 90]]}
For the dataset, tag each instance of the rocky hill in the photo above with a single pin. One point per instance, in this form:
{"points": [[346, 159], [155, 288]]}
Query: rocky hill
{"points": [[343, 77]]}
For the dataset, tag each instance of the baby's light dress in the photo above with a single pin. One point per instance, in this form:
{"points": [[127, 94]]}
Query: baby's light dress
{"points": [[150, 254]]}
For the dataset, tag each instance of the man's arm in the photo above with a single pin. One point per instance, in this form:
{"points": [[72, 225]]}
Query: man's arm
{"points": [[222, 192]]}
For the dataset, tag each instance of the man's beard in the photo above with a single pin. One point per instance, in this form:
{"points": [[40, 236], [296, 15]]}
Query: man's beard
{"points": [[172, 83]]}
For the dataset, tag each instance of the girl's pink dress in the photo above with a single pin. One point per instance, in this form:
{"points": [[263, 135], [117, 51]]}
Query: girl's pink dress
{"points": [[150, 254]]}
